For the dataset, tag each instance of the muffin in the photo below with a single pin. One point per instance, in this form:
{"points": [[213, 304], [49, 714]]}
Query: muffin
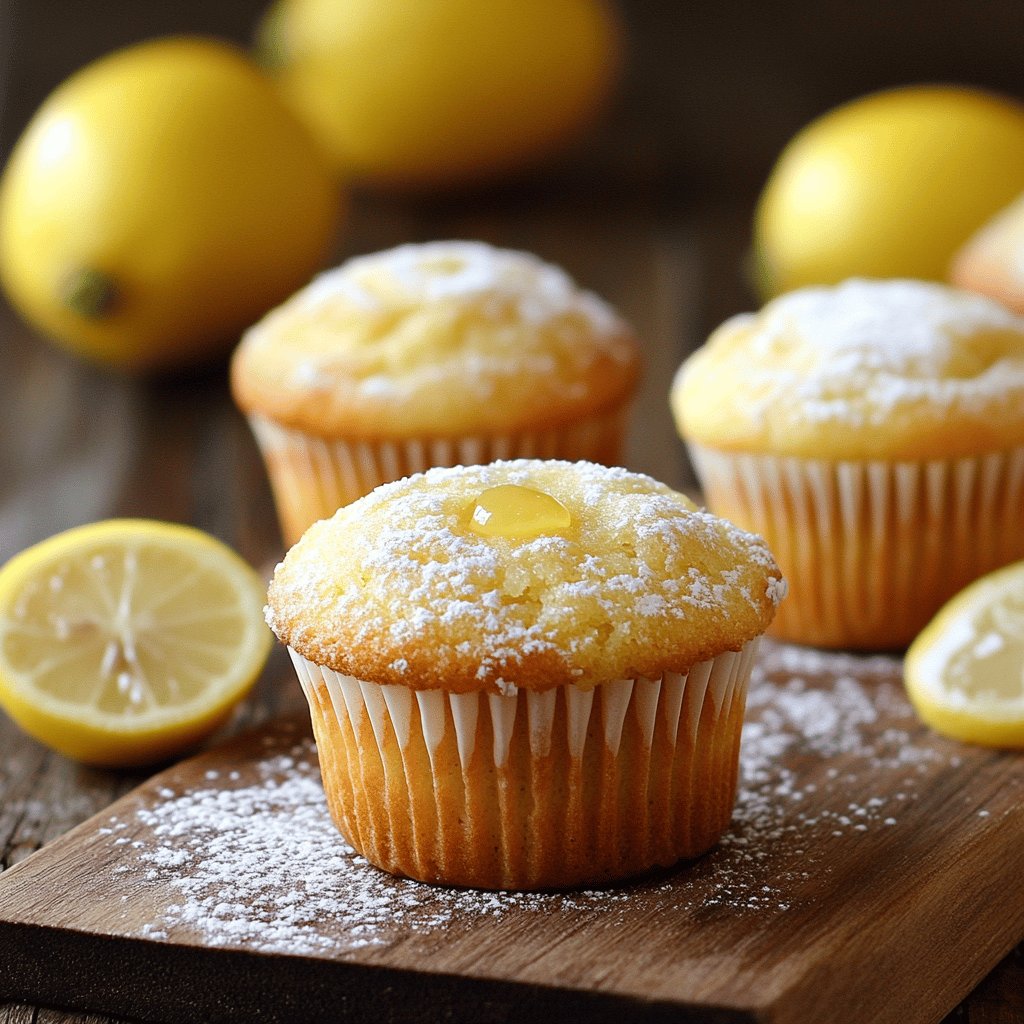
{"points": [[525, 675], [873, 433], [424, 355], [992, 260]]}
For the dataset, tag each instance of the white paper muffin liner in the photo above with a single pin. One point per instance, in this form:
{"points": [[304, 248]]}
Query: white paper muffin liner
{"points": [[536, 789], [312, 477], [870, 549]]}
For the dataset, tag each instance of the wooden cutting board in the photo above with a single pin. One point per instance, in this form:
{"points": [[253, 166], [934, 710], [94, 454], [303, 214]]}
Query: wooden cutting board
{"points": [[874, 872]]}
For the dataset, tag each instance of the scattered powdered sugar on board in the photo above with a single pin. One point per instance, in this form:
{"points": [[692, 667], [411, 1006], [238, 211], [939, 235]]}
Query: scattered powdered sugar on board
{"points": [[253, 860], [262, 866]]}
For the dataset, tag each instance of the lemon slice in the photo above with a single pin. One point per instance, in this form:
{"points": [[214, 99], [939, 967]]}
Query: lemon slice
{"points": [[965, 672], [127, 641]]}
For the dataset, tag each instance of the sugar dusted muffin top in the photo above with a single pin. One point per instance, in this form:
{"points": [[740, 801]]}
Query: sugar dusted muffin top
{"points": [[402, 587], [433, 340], [866, 369]]}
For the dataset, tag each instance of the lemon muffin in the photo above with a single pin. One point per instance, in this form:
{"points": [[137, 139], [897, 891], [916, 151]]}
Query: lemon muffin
{"points": [[873, 433], [529, 674], [424, 355], [992, 261]]}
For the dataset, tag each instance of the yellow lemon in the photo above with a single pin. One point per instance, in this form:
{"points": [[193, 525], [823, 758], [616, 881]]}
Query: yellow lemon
{"points": [[127, 641], [965, 672], [442, 91], [161, 200], [890, 185]]}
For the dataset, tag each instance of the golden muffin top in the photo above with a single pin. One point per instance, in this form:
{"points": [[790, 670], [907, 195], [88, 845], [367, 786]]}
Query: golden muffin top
{"points": [[434, 340], [867, 369], [527, 574], [992, 261]]}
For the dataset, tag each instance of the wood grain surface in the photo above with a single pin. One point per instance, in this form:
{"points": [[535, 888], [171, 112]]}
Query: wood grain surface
{"points": [[873, 872], [654, 213]]}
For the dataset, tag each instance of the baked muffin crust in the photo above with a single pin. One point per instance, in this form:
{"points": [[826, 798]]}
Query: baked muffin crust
{"points": [[436, 340], [398, 587], [868, 369]]}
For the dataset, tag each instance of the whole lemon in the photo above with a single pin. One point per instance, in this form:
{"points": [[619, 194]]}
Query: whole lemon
{"points": [[889, 185], [442, 92], [159, 201]]}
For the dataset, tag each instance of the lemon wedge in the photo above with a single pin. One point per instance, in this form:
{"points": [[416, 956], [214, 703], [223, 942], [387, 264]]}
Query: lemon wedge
{"points": [[128, 641], [965, 672]]}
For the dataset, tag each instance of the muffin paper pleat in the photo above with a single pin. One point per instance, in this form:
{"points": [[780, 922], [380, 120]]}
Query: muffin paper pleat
{"points": [[871, 549], [313, 477], [542, 789]]}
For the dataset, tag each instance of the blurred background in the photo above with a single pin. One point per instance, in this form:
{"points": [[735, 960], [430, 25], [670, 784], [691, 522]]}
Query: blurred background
{"points": [[711, 92], [652, 210]]}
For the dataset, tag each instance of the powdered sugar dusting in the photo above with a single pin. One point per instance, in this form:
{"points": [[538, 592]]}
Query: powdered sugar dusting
{"points": [[865, 370], [470, 271], [251, 859], [894, 343], [261, 866], [400, 574], [439, 340]]}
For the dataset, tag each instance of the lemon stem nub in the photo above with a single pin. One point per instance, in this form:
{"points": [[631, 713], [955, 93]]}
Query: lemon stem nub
{"points": [[90, 293]]}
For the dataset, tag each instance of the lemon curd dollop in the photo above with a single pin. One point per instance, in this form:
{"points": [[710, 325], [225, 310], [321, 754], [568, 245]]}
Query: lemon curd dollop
{"points": [[512, 510]]}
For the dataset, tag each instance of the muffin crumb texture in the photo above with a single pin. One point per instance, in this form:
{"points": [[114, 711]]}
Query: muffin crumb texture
{"points": [[890, 369], [436, 339], [399, 588]]}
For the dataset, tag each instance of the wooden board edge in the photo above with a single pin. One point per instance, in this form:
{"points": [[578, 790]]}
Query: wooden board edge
{"points": [[155, 981], [891, 1000]]}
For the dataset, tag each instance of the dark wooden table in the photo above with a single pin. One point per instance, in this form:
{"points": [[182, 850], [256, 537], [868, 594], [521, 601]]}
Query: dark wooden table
{"points": [[654, 215]]}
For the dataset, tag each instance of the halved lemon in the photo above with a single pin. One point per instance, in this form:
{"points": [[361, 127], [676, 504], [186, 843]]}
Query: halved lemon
{"points": [[128, 641], [965, 672]]}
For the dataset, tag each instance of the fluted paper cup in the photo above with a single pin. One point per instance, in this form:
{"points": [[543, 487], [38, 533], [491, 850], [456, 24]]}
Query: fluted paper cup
{"points": [[870, 549], [533, 790]]}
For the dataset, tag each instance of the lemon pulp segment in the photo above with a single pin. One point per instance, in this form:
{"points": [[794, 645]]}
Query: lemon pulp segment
{"points": [[120, 640], [965, 672]]}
